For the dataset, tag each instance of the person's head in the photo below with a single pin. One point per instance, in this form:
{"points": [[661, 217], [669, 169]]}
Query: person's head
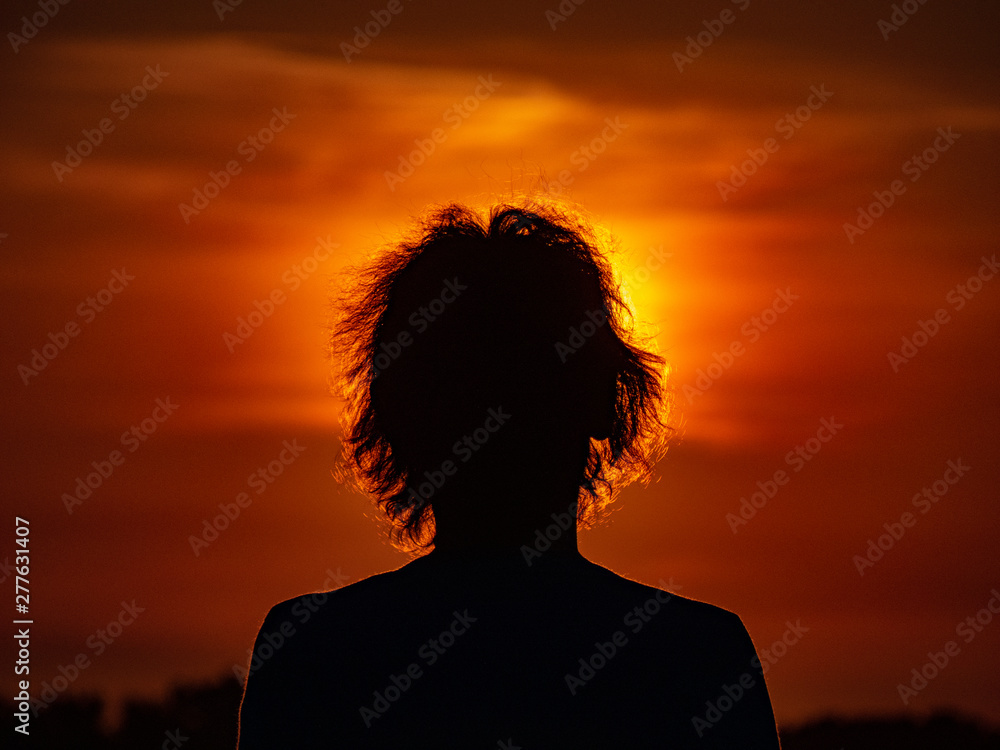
{"points": [[486, 354]]}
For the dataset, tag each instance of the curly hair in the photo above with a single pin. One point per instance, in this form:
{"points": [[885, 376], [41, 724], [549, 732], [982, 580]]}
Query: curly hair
{"points": [[406, 362]]}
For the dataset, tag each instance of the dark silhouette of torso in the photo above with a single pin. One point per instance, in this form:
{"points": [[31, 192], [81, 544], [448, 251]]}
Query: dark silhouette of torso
{"points": [[494, 385], [478, 651]]}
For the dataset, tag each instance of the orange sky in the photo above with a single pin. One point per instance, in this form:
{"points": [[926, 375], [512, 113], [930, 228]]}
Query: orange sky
{"points": [[769, 275]]}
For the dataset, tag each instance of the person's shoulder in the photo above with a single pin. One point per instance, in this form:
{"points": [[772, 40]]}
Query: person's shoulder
{"points": [[711, 639], [710, 619], [303, 607]]}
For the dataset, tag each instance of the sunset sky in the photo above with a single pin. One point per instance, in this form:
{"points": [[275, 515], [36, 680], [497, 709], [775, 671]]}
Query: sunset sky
{"points": [[168, 172]]}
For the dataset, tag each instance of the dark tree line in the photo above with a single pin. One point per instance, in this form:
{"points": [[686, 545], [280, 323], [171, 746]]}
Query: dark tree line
{"points": [[204, 717]]}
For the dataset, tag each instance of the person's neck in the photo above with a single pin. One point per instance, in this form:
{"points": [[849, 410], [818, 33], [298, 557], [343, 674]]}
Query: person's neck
{"points": [[524, 504], [545, 538], [495, 528]]}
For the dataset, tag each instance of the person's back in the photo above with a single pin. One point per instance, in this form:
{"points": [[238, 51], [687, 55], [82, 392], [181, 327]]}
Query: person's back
{"points": [[460, 652], [483, 437]]}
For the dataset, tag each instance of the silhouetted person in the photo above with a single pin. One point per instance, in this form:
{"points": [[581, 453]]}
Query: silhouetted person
{"points": [[497, 394]]}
